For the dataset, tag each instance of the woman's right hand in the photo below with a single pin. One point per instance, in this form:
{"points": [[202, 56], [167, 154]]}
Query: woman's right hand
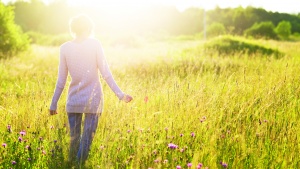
{"points": [[127, 98]]}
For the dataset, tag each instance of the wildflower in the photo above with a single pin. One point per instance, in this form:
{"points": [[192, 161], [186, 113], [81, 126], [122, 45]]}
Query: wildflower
{"points": [[165, 161], [4, 145], [28, 147], [199, 165], [29, 159], [23, 133], [182, 150], [193, 134], [166, 128], [9, 128], [20, 139], [13, 162], [181, 135], [44, 152], [156, 161], [189, 165], [55, 141], [128, 131], [172, 146], [224, 164], [146, 99], [178, 167], [41, 138], [51, 127]]}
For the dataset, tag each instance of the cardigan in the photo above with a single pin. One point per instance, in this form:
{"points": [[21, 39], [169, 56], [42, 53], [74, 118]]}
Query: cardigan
{"points": [[82, 62]]}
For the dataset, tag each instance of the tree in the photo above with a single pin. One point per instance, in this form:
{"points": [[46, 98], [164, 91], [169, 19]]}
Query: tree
{"points": [[283, 29], [215, 29], [12, 40], [262, 30], [243, 19]]}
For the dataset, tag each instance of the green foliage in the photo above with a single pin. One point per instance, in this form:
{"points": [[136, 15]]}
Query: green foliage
{"points": [[283, 29], [190, 21], [295, 37], [36, 16], [48, 40], [227, 45], [239, 19], [215, 29], [262, 30], [12, 40], [243, 19]]}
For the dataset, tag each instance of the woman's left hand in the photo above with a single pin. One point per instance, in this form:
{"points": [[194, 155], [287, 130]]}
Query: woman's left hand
{"points": [[127, 98], [52, 112]]}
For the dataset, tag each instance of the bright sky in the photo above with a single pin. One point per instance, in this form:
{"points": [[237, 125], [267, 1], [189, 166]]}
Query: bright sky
{"points": [[284, 6]]}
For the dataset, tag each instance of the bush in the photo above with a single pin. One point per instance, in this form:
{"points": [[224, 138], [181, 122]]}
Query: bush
{"points": [[12, 40], [229, 45], [215, 29], [262, 30], [284, 29]]}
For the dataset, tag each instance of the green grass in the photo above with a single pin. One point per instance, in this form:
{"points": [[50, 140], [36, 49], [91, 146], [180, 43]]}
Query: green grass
{"points": [[243, 110]]}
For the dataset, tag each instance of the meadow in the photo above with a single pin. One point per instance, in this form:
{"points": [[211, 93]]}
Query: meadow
{"points": [[192, 108]]}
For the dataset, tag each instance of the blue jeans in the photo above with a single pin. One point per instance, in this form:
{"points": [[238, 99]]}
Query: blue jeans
{"points": [[80, 144]]}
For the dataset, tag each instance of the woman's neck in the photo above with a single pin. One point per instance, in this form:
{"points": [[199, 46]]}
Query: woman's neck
{"points": [[79, 39]]}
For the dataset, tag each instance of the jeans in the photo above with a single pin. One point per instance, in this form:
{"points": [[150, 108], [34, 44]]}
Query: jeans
{"points": [[80, 144]]}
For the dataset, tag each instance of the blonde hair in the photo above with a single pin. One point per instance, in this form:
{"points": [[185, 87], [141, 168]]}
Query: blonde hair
{"points": [[81, 24]]}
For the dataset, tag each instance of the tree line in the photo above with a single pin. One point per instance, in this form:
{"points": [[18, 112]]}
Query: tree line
{"points": [[38, 19], [53, 18]]}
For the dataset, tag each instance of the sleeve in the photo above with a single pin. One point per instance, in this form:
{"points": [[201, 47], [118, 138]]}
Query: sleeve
{"points": [[61, 81], [106, 73]]}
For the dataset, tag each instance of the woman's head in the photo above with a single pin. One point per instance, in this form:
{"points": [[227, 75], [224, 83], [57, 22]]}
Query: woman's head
{"points": [[81, 25]]}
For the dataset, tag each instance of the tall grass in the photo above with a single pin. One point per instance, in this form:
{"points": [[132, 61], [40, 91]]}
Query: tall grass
{"points": [[237, 111]]}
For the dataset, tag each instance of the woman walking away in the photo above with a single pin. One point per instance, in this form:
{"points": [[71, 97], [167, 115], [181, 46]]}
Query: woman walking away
{"points": [[82, 58]]}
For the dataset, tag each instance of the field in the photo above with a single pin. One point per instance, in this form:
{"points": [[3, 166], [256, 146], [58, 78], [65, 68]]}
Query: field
{"points": [[190, 106]]}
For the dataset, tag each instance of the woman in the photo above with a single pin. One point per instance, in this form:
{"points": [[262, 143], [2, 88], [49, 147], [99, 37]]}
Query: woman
{"points": [[82, 58]]}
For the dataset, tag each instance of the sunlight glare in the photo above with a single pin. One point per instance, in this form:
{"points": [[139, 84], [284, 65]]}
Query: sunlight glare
{"points": [[179, 4]]}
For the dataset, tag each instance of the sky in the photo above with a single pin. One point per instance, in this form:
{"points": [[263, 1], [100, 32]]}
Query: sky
{"points": [[286, 6]]}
